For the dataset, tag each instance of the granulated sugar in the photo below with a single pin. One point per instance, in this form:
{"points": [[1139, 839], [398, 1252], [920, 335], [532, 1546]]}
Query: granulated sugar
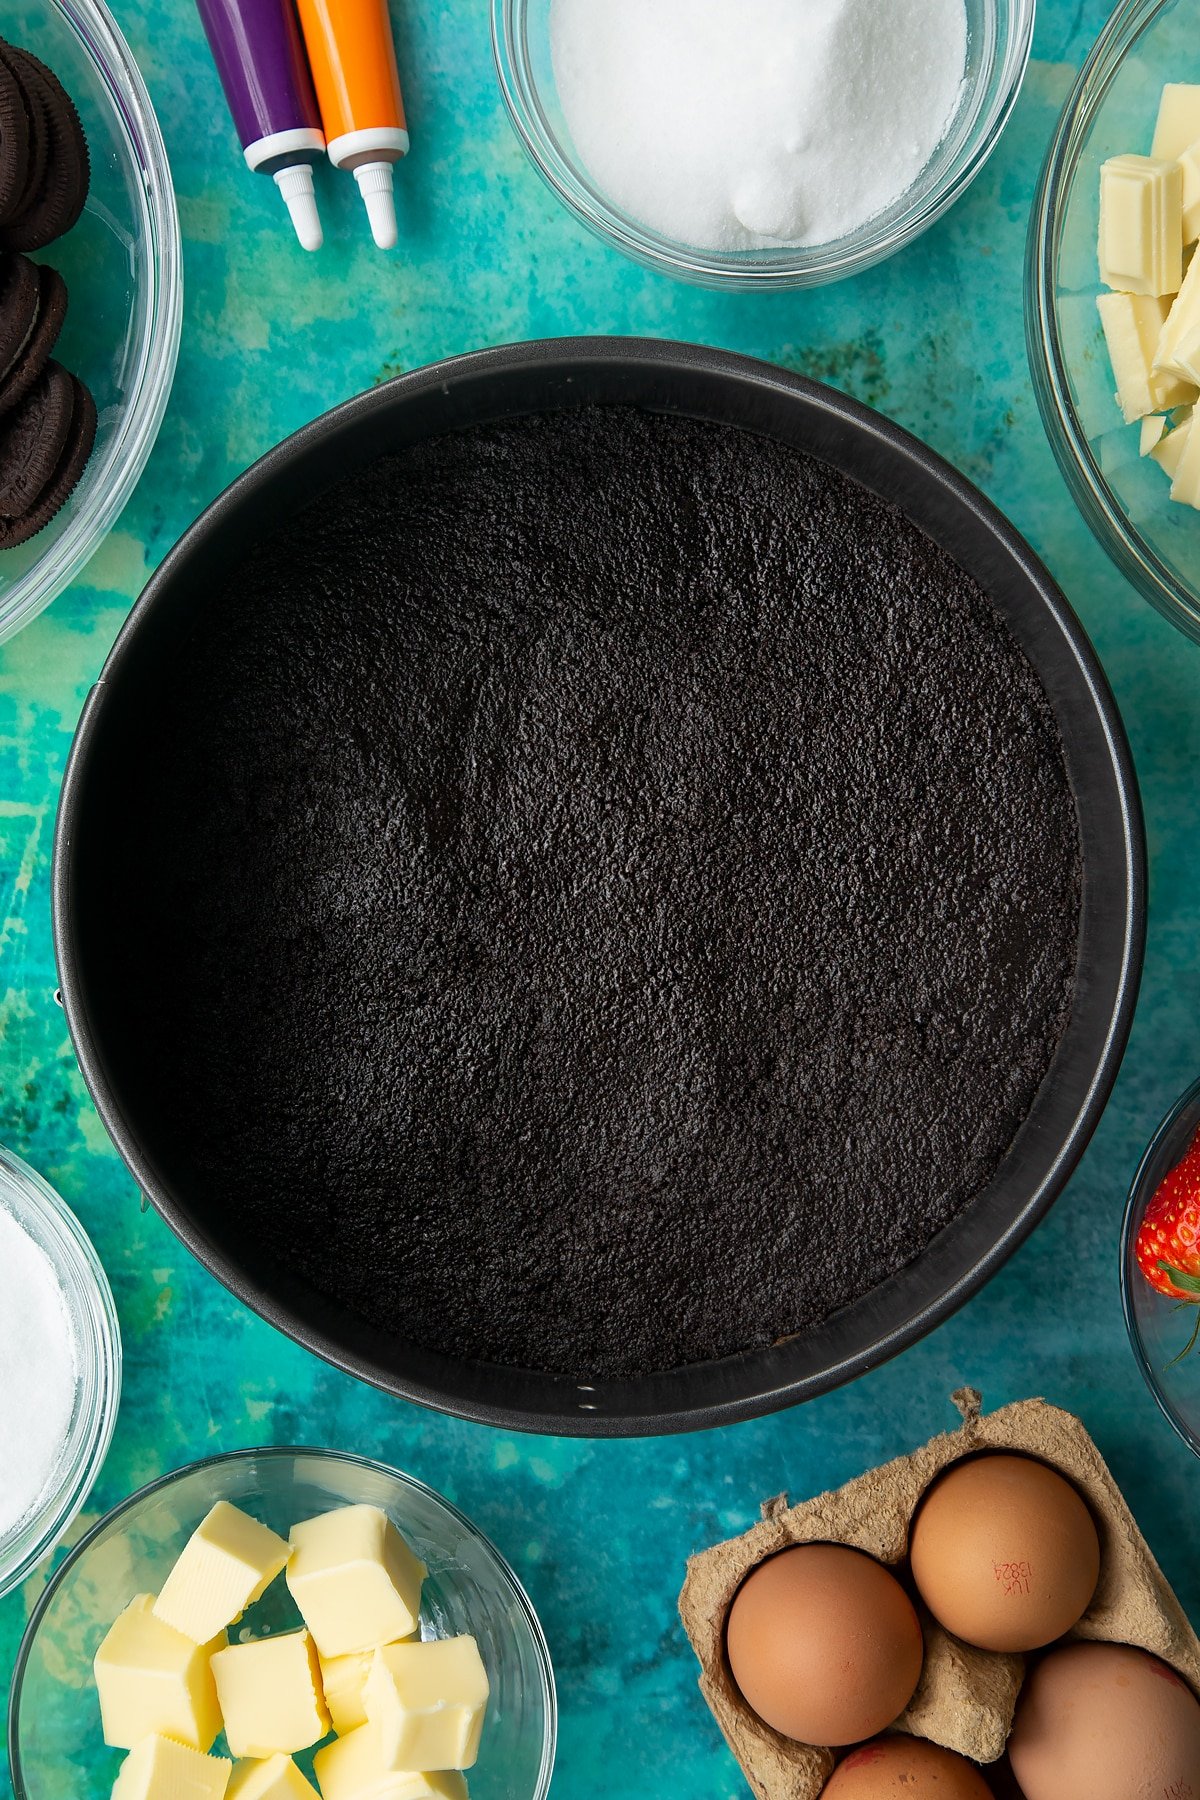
{"points": [[37, 1373], [740, 124]]}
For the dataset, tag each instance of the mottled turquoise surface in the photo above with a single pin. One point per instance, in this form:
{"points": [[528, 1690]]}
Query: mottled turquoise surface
{"points": [[934, 339]]}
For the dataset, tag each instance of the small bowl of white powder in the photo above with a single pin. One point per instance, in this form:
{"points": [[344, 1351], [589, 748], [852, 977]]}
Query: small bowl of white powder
{"points": [[760, 143], [60, 1369]]}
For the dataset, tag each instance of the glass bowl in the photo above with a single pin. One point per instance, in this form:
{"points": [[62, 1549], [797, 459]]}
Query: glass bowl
{"points": [[89, 1302], [123, 269], [54, 1744], [1159, 1327], [1123, 496], [999, 35]]}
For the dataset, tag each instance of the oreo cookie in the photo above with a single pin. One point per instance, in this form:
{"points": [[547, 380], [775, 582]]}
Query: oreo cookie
{"points": [[57, 184], [34, 354], [69, 419], [19, 303], [37, 116], [14, 141], [32, 440]]}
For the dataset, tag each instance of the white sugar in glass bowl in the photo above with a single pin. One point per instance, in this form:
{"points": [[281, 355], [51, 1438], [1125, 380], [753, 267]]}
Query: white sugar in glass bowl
{"points": [[999, 36], [96, 1341]]}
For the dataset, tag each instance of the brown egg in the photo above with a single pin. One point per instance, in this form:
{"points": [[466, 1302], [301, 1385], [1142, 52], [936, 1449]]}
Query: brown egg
{"points": [[1004, 1553], [907, 1768], [1104, 1722], [824, 1644]]}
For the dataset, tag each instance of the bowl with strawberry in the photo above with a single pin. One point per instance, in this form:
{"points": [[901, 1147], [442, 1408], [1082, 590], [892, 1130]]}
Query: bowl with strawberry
{"points": [[1160, 1266]]}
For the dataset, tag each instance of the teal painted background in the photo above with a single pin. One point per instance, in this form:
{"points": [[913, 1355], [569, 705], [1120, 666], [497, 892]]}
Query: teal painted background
{"points": [[599, 1532]]}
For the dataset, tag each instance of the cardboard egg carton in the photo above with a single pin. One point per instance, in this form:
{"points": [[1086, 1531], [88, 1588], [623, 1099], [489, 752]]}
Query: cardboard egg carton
{"points": [[966, 1697]]}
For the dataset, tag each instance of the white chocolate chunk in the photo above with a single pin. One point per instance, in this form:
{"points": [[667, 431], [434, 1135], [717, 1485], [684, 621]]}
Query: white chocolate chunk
{"points": [[343, 1679], [153, 1681], [270, 1695], [355, 1580], [158, 1768], [1178, 123], [1183, 313], [1141, 225], [277, 1778], [225, 1566], [1185, 483], [1152, 431], [1189, 171], [1133, 326], [351, 1769], [1168, 453], [427, 1703]]}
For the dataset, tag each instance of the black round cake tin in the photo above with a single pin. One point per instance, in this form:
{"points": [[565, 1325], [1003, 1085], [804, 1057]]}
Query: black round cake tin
{"points": [[712, 385]]}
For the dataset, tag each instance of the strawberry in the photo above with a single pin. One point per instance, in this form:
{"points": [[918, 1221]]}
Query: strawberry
{"points": [[1168, 1240]]}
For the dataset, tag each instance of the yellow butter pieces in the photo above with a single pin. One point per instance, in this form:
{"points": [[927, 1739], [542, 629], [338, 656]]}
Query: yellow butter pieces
{"points": [[355, 1580], [276, 1778], [427, 1703], [352, 1769], [158, 1768], [343, 1679], [270, 1695], [153, 1680], [1141, 225], [226, 1564], [1133, 325]]}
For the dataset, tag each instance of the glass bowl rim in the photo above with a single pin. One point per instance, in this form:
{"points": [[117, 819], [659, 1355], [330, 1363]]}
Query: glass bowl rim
{"points": [[788, 267], [136, 123], [278, 1452], [93, 1431], [1124, 543], [1188, 1101]]}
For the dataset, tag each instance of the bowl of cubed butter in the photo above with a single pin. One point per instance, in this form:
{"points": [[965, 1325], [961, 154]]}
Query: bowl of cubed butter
{"points": [[1113, 298], [283, 1624]]}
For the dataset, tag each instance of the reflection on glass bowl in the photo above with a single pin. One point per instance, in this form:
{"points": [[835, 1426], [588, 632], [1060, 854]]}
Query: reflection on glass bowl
{"points": [[123, 270], [54, 1742]]}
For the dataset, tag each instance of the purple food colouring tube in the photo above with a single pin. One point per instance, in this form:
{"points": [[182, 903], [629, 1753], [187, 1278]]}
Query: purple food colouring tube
{"points": [[260, 58]]}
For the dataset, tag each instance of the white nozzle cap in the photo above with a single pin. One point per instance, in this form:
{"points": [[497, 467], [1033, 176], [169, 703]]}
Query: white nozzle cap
{"points": [[296, 185], [375, 185]]}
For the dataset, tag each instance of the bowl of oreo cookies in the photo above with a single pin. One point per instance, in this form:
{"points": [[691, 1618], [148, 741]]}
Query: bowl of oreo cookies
{"points": [[601, 888], [90, 291]]}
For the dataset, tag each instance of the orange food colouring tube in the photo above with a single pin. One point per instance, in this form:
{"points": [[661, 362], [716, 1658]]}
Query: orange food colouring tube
{"points": [[353, 60]]}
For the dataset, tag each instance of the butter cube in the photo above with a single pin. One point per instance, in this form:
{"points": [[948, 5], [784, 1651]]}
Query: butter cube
{"points": [[277, 1778], [154, 1681], [1141, 225], [226, 1564], [351, 1769], [1133, 326], [158, 1768], [343, 1679], [355, 1580], [270, 1695], [427, 1702], [1178, 122]]}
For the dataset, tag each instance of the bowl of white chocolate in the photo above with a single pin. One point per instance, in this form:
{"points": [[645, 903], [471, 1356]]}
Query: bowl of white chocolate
{"points": [[1113, 299], [283, 1624]]}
